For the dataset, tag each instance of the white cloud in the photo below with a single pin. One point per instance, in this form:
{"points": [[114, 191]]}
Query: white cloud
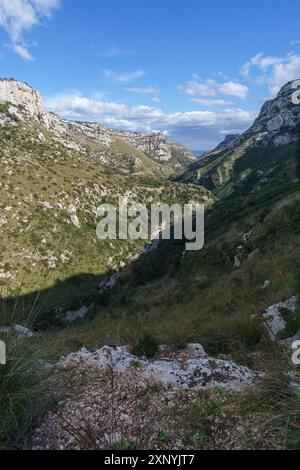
{"points": [[272, 71], [234, 89], [195, 128], [212, 88], [22, 52], [149, 90], [18, 17], [155, 99], [194, 87], [211, 102], [124, 77]]}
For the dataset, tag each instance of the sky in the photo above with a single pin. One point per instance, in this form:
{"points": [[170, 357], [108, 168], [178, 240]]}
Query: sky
{"points": [[195, 70]]}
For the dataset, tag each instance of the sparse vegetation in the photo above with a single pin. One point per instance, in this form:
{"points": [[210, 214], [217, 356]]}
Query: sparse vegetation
{"points": [[215, 297]]}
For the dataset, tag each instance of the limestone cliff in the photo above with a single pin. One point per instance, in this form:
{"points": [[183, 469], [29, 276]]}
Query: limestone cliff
{"points": [[24, 101]]}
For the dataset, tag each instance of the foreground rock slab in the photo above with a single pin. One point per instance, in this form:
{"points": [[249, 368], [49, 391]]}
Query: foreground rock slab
{"points": [[191, 369]]}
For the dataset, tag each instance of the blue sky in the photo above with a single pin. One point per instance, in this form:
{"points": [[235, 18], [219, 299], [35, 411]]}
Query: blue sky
{"points": [[195, 70]]}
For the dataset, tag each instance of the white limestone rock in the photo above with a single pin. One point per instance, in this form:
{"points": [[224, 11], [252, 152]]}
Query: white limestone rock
{"points": [[248, 235], [288, 342], [275, 123], [73, 216], [278, 120], [196, 371], [204, 373], [240, 251], [109, 282], [27, 100], [79, 314], [155, 144], [273, 317], [265, 284], [21, 330]]}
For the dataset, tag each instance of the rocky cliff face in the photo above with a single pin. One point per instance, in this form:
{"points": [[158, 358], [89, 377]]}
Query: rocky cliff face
{"points": [[278, 121], [26, 102], [155, 145], [277, 126], [23, 100], [228, 142]]}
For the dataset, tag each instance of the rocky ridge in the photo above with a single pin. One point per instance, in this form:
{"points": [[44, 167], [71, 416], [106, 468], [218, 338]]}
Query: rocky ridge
{"points": [[277, 125], [25, 101], [229, 141]]}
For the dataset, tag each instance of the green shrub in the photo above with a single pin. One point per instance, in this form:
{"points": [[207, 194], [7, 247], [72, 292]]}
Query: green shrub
{"points": [[201, 438], [125, 445], [21, 387], [147, 345]]}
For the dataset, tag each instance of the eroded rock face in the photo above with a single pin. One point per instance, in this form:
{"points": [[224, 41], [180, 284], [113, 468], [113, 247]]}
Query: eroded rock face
{"points": [[278, 124], [278, 120], [194, 370], [26, 99], [154, 145], [228, 142]]}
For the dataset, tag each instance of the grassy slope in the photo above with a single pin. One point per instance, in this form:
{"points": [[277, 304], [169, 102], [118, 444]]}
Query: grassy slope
{"points": [[40, 248], [200, 296]]}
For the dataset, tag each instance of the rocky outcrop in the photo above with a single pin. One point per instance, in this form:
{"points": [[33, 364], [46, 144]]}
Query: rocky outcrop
{"points": [[20, 330], [275, 321], [23, 100], [277, 124], [228, 142], [117, 407], [73, 216], [278, 121], [80, 314], [194, 370]]}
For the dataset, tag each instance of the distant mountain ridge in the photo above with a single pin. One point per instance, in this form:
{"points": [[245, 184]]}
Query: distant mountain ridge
{"points": [[26, 100]]}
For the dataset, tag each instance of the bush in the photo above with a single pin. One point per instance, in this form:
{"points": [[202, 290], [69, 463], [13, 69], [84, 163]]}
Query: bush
{"points": [[23, 381], [147, 345], [20, 392]]}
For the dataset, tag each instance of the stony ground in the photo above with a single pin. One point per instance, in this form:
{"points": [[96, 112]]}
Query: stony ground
{"points": [[105, 409]]}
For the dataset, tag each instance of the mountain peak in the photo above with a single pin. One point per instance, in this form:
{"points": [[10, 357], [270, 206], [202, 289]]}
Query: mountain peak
{"points": [[24, 99], [288, 88], [278, 120]]}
